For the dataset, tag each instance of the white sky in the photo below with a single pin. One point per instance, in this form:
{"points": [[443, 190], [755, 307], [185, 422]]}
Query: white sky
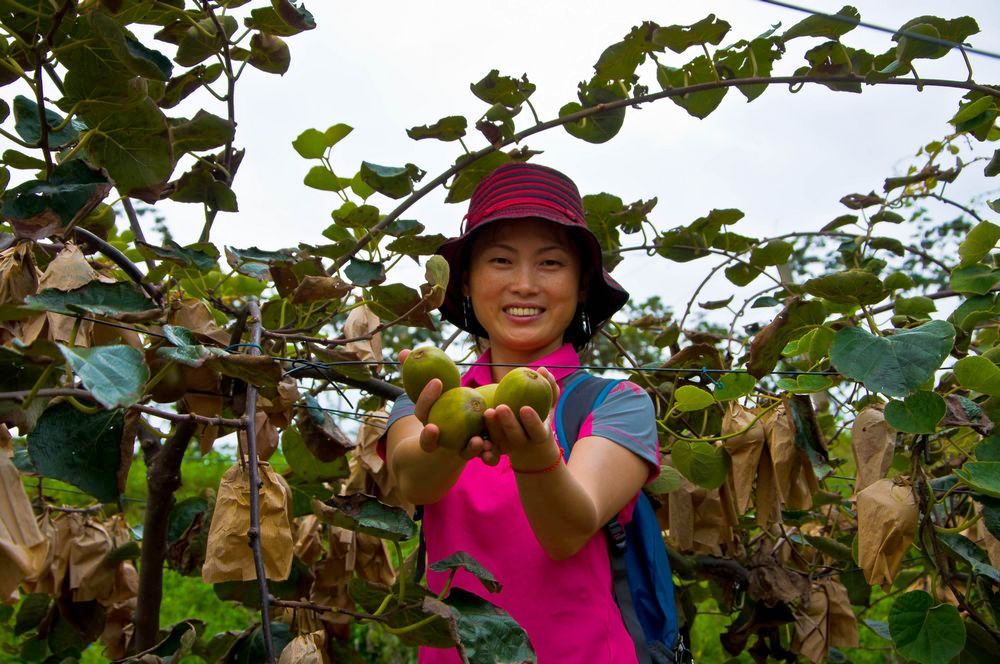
{"points": [[382, 67]]}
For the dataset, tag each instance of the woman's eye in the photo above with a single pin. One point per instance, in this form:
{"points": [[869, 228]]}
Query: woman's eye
{"points": [[552, 263]]}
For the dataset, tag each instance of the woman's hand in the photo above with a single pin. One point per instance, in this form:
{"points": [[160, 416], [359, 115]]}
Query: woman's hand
{"points": [[476, 447], [529, 443]]}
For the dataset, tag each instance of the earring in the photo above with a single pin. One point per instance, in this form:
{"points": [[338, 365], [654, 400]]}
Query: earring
{"points": [[585, 323], [466, 308]]}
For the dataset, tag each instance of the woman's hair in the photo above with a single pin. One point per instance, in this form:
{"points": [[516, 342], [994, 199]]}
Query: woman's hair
{"points": [[577, 333]]}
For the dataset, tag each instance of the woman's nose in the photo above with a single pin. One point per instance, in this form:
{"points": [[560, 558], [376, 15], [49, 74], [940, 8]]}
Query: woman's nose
{"points": [[525, 280]]}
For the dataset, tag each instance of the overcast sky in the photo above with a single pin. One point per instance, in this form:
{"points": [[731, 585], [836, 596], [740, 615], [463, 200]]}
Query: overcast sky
{"points": [[382, 67]]}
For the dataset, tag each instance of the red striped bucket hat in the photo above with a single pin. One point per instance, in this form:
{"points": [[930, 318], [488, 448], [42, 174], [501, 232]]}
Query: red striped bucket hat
{"points": [[530, 191]]}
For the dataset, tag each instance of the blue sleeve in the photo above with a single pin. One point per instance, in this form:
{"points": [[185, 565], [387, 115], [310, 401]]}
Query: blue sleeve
{"points": [[403, 407], [627, 417]]}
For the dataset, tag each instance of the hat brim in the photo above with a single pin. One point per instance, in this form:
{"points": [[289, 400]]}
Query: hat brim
{"points": [[605, 296]]}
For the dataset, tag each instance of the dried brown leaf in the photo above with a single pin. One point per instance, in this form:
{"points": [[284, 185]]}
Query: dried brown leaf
{"points": [[228, 558], [744, 451], [872, 442], [771, 582], [887, 522], [957, 416], [317, 289], [197, 317], [68, 270]]}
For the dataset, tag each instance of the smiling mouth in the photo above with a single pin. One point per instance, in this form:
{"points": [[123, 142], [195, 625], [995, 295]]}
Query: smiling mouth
{"points": [[524, 312]]}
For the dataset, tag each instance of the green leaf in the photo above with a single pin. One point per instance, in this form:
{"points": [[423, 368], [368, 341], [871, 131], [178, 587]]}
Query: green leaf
{"points": [[702, 463], [202, 132], [989, 449], [733, 386], [115, 375], [202, 256], [898, 281], [404, 227], [848, 287], [487, 632], [462, 560], [283, 18], [977, 279], [394, 182], [133, 55], [925, 632], [978, 373], [396, 300], [506, 90], [764, 302], [313, 143], [742, 274], [689, 398], [182, 515], [28, 125], [806, 384], [982, 476], [598, 127], [321, 177], [21, 161], [895, 365], [269, 53], [183, 85], [733, 242], [975, 310], [200, 42], [980, 241], [133, 145], [31, 612], [668, 481], [200, 186], [450, 128], [39, 208], [417, 245], [775, 252], [825, 25], [120, 299], [364, 273], [472, 174], [920, 412], [840, 222], [678, 38], [963, 548], [365, 514], [830, 547], [699, 70], [914, 307], [712, 305], [354, 216], [82, 449]]}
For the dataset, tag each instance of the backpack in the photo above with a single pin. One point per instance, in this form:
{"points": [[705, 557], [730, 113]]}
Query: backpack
{"points": [[640, 570]]}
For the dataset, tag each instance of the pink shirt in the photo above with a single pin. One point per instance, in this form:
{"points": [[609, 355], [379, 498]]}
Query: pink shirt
{"points": [[566, 607]]}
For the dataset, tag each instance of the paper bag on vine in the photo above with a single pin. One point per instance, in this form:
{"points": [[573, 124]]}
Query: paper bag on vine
{"points": [[227, 557], [332, 575], [698, 520], [887, 522], [793, 473], [744, 451], [23, 547], [826, 620], [369, 472], [361, 322], [90, 575], [306, 649], [873, 442]]}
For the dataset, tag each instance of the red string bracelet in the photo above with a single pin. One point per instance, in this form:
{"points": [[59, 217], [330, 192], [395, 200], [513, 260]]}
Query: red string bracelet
{"points": [[539, 471]]}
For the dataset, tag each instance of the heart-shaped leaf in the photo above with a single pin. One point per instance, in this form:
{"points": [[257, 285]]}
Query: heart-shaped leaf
{"points": [[920, 412], [894, 365], [982, 476], [703, 463], [689, 398], [115, 375], [925, 632], [462, 560], [733, 386], [978, 373]]}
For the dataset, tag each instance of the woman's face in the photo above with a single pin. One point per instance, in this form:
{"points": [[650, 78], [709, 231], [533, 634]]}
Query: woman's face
{"points": [[524, 281]]}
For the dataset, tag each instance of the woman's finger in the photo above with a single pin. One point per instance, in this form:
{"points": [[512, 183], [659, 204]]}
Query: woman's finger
{"points": [[536, 430], [512, 431], [401, 357], [430, 394], [429, 438]]}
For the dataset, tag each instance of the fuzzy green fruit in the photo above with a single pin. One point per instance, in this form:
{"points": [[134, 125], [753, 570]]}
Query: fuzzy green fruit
{"points": [[489, 393], [458, 415], [424, 364], [524, 387]]}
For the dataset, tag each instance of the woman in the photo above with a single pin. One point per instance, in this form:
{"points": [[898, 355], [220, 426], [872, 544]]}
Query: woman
{"points": [[527, 277]]}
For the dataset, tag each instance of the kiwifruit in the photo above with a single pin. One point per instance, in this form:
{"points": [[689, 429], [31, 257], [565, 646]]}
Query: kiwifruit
{"points": [[489, 393], [524, 387], [458, 415], [424, 364], [171, 385]]}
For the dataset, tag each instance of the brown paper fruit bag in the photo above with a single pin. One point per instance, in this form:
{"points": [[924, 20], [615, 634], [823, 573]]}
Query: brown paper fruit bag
{"points": [[887, 522], [228, 558], [873, 442]]}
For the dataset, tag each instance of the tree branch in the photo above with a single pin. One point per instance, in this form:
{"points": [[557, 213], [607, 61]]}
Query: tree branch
{"points": [[122, 261], [469, 159], [371, 385], [254, 533], [163, 478]]}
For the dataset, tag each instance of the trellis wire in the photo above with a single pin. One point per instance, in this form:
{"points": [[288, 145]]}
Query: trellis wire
{"points": [[916, 36]]}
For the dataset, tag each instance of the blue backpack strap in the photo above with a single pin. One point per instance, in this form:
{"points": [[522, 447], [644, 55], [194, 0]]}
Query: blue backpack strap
{"points": [[645, 599]]}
